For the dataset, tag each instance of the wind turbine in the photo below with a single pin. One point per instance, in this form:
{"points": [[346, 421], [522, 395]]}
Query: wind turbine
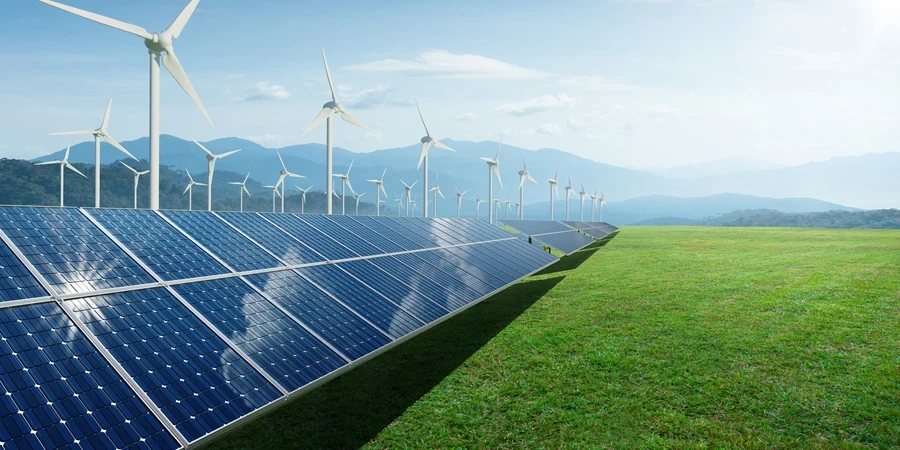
{"points": [[63, 165], [157, 44], [413, 203], [281, 176], [436, 190], [399, 206], [243, 185], [357, 197], [507, 208], [427, 142], [98, 133], [478, 202], [379, 189], [303, 198], [493, 169], [137, 179], [328, 111], [554, 187], [497, 205], [189, 190], [523, 175], [275, 192], [518, 209], [211, 168], [345, 183], [408, 188], [602, 202], [459, 197], [582, 194], [569, 190]]}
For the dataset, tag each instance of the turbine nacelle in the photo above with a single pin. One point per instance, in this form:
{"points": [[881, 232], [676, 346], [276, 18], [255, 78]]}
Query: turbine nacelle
{"points": [[159, 42]]}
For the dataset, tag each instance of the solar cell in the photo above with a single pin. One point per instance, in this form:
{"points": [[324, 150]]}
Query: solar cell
{"points": [[384, 228], [225, 242], [415, 227], [281, 244], [446, 274], [449, 299], [193, 376], [502, 269], [161, 247], [464, 267], [16, 282], [313, 238], [71, 253], [399, 292], [334, 322], [347, 239], [57, 391], [383, 244]]}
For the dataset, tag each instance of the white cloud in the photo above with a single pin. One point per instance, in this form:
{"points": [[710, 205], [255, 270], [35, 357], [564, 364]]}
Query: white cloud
{"points": [[265, 90], [469, 116], [538, 104], [576, 123], [661, 112], [547, 129], [443, 64], [813, 62], [380, 95], [595, 83]]}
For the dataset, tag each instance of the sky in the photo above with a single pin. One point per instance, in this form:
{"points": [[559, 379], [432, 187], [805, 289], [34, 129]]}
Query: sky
{"points": [[635, 83]]}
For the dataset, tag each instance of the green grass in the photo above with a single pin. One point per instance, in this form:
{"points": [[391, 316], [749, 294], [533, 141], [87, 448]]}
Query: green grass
{"points": [[665, 338]]}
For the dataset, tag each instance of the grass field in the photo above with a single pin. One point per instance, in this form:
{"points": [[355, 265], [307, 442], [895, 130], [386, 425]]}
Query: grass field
{"points": [[665, 338]]}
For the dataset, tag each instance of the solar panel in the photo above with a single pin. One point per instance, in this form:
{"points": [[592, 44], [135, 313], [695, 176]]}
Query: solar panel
{"points": [[464, 266], [383, 244], [536, 227], [567, 242], [400, 230], [167, 252], [595, 233], [193, 376], [409, 227], [347, 239], [337, 324], [400, 293], [70, 252], [442, 272], [16, 282], [419, 279], [56, 390], [225, 242], [313, 238], [380, 227], [281, 244]]}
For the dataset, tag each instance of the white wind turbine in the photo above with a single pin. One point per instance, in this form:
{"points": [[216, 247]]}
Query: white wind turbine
{"points": [[569, 190], [98, 133], [357, 197], [243, 185], [436, 190], [493, 169], [459, 197], [593, 200], [275, 192], [157, 44], [523, 175], [281, 177], [497, 206], [582, 194], [554, 187], [328, 111], [63, 165], [379, 189], [478, 202], [517, 208], [412, 202], [508, 207], [137, 179], [602, 202], [211, 168], [189, 190], [399, 206], [345, 183], [303, 198], [408, 188], [427, 142]]}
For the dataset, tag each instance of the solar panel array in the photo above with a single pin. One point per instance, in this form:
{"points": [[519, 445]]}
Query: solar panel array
{"points": [[598, 230], [142, 329], [552, 234]]}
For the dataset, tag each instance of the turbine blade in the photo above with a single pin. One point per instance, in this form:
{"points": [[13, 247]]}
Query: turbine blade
{"points": [[423, 154], [352, 119], [203, 147], [227, 154], [73, 133], [414, 183], [66, 157], [530, 178], [113, 23], [129, 167], [72, 168], [246, 178], [106, 116], [349, 185], [441, 193], [522, 179], [383, 191], [422, 117], [187, 189], [383, 173], [117, 145], [200, 184], [281, 160], [328, 74], [441, 146], [182, 19], [170, 60], [487, 160], [245, 190], [47, 163], [323, 114], [230, 182], [497, 173]]}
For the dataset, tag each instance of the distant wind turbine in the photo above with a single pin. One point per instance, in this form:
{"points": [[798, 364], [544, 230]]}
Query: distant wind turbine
{"points": [[459, 197], [282, 176], [243, 185], [507, 208], [98, 133], [602, 202], [379, 189], [478, 202], [554, 187], [582, 194], [63, 165], [399, 206], [189, 190], [408, 188], [493, 169], [303, 198], [357, 197], [427, 142], [436, 190], [569, 190], [593, 200], [275, 192], [211, 166], [157, 43], [523, 175], [137, 179], [345, 183], [412, 202]]}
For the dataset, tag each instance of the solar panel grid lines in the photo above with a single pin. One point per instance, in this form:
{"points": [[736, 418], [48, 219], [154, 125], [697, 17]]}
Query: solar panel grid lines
{"points": [[444, 296], [486, 260], [567, 242], [419, 227], [46, 290], [286, 248], [461, 287], [399, 292], [325, 245], [536, 227], [359, 230], [450, 263], [371, 225], [340, 234], [400, 230], [16, 283]]}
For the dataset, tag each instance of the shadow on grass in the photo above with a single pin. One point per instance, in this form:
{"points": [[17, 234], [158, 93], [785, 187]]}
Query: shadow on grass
{"points": [[352, 409]]}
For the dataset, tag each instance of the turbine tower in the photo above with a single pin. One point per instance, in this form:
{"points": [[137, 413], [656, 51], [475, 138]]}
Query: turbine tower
{"points": [[328, 111], [593, 200], [303, 198], [582, 194], [399, 206], [275, 192], [189, 190], [408, 188], [413, 203], [602, 202], [243, 185], [459, 197], [211, 168], [379, 189], [99, 133], [345, 183], [157, 44], [137, 179], [523, 175], [63, 165], [554, 187], [427, 142], [478, 202], [569, 190], [436, 190], [508, 207], [493, 169], [281, 177], [357, 197]]}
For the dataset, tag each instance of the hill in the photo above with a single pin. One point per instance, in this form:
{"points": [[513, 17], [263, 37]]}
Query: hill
{"points": [[882, 218]]}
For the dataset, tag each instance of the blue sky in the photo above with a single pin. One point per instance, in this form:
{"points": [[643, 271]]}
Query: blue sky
{"points": [[639, 83]]}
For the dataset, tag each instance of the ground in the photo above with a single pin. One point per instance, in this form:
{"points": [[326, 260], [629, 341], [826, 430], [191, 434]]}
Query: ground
{"points": [[665, 338]]}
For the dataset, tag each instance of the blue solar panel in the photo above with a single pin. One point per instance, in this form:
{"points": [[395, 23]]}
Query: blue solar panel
{"points": [[515, 257], [57, 391], [383, 244], [385, 315], [302, 231], [418, 279], [342, 235], [70, 252], [334, 322], [381, 227], [198, 382], [229, 245], [534, 227], [16, 282], [474, 230], [566, 242], [278, 344], [269, 236], [400, 293], [480, 257], [409, 226], [166, 251], [463, 269], [596, 233], [464, 284]]}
